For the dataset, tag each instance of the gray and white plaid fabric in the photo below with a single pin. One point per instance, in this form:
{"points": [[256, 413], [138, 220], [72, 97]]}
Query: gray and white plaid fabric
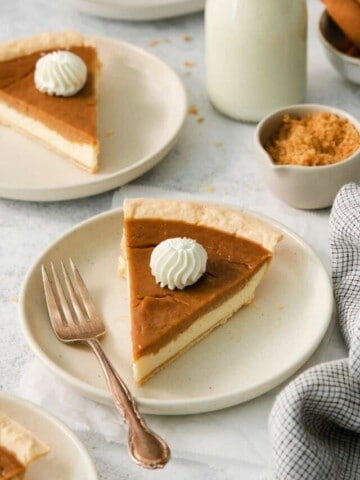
{"points": [[315, 422]]}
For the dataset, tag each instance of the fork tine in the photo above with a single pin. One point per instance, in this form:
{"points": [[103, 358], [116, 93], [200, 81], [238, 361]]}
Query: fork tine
{"points": [[74, 299], [83, 292], [52, 306], [61, 296]]}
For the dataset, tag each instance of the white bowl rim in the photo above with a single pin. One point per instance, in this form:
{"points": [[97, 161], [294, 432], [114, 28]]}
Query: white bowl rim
{"points": [[302, 106], [330, 46]]}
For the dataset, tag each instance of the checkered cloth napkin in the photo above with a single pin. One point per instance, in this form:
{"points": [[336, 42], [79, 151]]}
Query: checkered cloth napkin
{"points": [[315, 422]]}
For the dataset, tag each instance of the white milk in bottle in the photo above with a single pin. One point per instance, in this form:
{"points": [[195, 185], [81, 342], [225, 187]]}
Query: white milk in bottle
{"points": [[255, 55]]}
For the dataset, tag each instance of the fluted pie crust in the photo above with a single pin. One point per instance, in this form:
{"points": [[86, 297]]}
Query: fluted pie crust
{"points": [[165, 323], [66, 125], [18, 449]]}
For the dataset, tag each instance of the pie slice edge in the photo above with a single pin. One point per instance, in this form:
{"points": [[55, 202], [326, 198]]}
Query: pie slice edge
{"points": [[18, 448], [66, 125], [209, 304]]}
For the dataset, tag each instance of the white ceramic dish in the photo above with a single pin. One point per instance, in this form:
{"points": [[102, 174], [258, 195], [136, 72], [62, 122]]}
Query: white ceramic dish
{"points": [[300, 186], [68, 458], [138, 9], [330, 35], [255, 351], [142, 107]]}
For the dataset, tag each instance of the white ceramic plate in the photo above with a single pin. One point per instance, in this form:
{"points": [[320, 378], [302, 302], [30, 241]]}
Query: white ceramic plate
{"points": [[256, 350], [67, 459], [138, 9], [142, 107]]}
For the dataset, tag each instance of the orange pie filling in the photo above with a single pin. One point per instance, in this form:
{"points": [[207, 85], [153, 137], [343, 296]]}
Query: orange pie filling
{"points": [[73, 117], [159, 315], [10, 467], [65, 124]]}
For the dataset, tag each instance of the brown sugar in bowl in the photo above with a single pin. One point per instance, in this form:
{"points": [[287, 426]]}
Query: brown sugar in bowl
{"points": [[306, 187], [317, 139]]}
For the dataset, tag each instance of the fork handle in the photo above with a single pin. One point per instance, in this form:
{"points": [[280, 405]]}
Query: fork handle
{"points": [[145, 447]]}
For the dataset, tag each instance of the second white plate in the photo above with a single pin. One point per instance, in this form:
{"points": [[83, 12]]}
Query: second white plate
{"points": [[138, 9], [141, 109], [261, 346]]}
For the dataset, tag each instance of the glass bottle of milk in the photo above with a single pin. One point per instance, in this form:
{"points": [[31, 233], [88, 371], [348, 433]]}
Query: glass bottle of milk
{"points": [[255, 55]]}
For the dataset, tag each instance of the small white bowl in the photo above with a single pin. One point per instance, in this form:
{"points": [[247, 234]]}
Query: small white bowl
{"points": [[331, 35], [302, 186]]}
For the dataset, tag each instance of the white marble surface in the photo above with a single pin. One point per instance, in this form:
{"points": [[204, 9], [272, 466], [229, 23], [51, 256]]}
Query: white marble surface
{"points": [[214, 157]]}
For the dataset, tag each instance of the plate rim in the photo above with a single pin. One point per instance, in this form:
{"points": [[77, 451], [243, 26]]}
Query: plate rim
{"points": [[127, 11], [100, 185], [180, 406], [51, 418]]}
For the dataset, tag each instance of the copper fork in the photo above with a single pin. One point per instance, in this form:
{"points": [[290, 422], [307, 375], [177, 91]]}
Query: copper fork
{"points": [[75, 318]]}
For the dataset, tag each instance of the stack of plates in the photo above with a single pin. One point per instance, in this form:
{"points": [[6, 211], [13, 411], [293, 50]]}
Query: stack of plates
{"points": [[138, 9]]}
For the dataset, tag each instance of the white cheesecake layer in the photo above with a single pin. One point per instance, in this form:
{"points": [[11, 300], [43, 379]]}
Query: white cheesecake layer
{"points": [[148, 365], [84, 155]]}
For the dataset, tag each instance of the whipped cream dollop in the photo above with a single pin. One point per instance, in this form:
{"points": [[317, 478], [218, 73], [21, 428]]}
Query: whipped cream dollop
{"points": [[178, 262], [60, 73]]}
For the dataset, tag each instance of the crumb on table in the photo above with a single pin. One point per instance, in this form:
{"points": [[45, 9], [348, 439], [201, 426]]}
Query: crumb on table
{"points": [[193, 110]]}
